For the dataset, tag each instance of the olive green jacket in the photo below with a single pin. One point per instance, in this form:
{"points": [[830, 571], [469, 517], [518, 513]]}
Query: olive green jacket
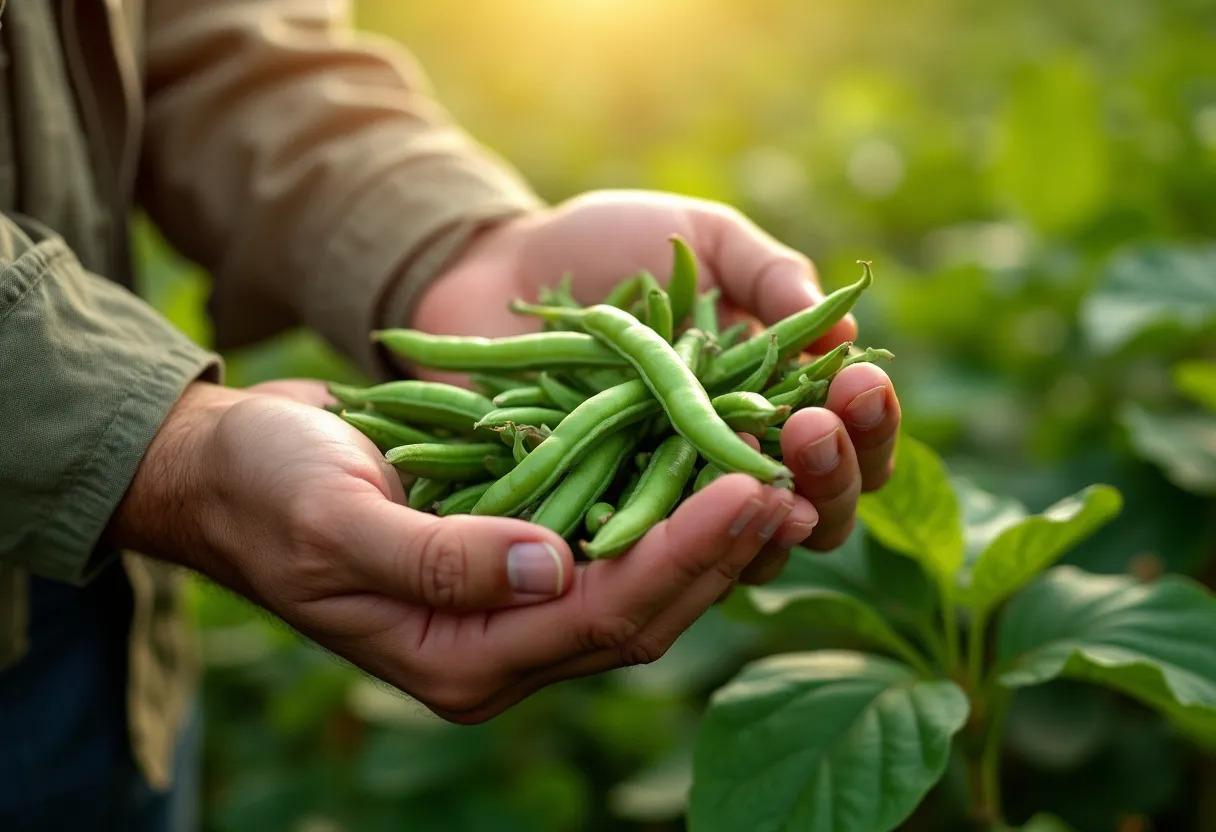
{"points": [[306, 169]]}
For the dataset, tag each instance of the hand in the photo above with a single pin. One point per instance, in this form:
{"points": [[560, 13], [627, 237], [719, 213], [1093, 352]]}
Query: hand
{"points": [[836, 452], [285, 503]]}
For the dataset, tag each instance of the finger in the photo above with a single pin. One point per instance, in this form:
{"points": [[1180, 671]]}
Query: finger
{"points": [[765, 277], [715, 532], [816, 447], [864, 398], [797, 527], [628, 645], [454, 563], [303, 390]]}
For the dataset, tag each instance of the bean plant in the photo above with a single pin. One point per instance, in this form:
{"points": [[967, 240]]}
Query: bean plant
{"points": [[955, 596]]}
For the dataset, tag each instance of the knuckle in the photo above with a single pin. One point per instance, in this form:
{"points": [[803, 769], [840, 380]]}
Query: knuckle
{"points": [[441, 572], [610, 633], [644, 649]]}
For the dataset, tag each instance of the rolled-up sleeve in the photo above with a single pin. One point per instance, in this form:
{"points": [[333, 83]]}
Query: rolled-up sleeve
{"points": [[88, 372], [308, 169]]}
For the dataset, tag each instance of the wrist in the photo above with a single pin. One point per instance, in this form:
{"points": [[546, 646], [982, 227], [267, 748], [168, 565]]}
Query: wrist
{"points": [[169, 507]]}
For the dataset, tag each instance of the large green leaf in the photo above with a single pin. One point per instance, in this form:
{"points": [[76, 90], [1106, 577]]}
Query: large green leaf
{"points": [[1197, 380], [1167, 290], [830, 740], [858, 587], [916, 512], [985, 515], [1183, 445], [1026, 548], [1152, 641]]}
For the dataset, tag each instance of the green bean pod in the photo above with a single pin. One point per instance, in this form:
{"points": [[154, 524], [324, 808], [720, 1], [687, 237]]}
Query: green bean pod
{"points": [[759, 377], [656, 494], [582, 428], [424, 493], [597, 516], [425, 402], [534, 416], [797, 332], [824, 367], [658, 313], [749, 412], [690, 347], [513, 353], [733, 334], [491, 384], [462, 501], [626, 291], [384, 432], [533, 435], [675, 386], [808, 394], [708, 473], [519, 446], [705, 312], [454, 463], [870, 355], [560, 395], [682, 284], [530, 396], [566, 504]]}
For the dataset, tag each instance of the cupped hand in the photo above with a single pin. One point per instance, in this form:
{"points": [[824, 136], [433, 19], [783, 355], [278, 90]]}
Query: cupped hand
{"points": [[837, 451], [284, 502]]}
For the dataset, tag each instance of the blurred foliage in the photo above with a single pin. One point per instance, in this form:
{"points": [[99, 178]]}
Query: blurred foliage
{"points": [[1034, 182]]}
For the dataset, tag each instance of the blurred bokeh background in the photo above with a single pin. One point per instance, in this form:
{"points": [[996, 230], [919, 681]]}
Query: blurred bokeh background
{"points": [[1036, 185]]}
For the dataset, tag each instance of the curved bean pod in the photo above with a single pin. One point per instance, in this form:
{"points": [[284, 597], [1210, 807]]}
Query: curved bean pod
{"points": [[534, 351], [427, 402], [384, 432], [595, 418], [656, 494], [796, 332], [454, 463], [675, 386], [462, 501], [682, 284], [566, 504]]}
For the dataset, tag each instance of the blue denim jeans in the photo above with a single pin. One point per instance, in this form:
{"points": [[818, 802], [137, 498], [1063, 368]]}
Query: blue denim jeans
{"points": [[65, 758]]}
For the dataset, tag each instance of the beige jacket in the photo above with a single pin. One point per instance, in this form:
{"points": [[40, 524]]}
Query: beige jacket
{"points": [[307, 169]]}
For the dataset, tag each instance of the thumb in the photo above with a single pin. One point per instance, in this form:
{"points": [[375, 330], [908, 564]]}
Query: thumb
{"points": [[459, 562], [765, 277]]}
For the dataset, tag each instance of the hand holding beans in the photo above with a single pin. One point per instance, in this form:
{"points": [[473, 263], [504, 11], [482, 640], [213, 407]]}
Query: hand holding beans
{"points": [[299, 511]]}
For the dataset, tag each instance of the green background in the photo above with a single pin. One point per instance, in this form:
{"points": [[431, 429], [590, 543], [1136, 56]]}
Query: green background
{"points": [[1002, 163]]}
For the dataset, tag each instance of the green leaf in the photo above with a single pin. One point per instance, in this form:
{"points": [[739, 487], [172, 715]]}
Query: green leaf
{"points": [[1197, 381], [1150, 641], [916, 512], [825, 741], [1051, 161], [1025, 549], [857, 588], [1183, 445], [985, 516], [1154, 289]]}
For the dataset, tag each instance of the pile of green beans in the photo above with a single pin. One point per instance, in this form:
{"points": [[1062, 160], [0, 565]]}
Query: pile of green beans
{"points": [[599, 425]]}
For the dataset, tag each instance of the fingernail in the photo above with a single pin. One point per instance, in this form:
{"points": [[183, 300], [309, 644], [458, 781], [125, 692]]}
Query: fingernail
{"points": [[746, 516], [534, 568], [774, 521], [822, 455], [868, 409], [795, 533]]}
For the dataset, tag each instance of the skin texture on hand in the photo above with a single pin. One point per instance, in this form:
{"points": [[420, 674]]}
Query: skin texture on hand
{"points": [[836, 451], [282, 501]]}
